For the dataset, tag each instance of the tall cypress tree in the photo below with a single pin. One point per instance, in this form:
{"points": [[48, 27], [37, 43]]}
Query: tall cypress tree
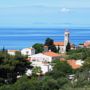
{"points": [[68, 47]]}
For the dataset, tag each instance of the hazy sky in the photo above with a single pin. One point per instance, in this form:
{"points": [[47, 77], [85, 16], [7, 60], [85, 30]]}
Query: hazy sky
{"points": [[44, 13]]}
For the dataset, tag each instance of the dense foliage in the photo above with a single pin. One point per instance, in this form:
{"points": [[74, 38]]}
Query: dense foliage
{"points": [[50, 43], [38, 48], [11, 66], [80, 53], [68, 47], [58, 79]]}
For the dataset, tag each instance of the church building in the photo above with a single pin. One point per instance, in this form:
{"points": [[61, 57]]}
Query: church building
{"points": [[62, 45]]}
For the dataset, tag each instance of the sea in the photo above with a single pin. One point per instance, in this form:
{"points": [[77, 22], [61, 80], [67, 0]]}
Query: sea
{"points": [[19, 38]]}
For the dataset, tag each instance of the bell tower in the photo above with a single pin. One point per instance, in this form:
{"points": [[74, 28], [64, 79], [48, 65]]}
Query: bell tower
{"points": [[66, 39]]}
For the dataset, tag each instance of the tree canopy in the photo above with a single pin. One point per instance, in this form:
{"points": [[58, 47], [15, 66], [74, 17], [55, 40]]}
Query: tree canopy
{"points": [[50, 43], [38, 48]]}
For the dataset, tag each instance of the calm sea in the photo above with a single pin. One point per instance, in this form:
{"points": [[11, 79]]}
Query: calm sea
{"points": [[18, 38]]}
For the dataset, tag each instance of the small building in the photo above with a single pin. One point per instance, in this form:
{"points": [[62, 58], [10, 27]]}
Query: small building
{"points": [[45, 67], [40, 57], [28, 51], [41, 60], [81, 45], [44, 57], [72, 46], [12, 52], [62, 45], [75, 64], [53, 55], [87, 44]]}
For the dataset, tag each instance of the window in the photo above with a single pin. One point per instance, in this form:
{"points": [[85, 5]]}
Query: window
{"points": [[27, 52]]}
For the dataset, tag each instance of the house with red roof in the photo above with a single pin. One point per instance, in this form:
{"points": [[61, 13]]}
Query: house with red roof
{"points": [[53, 55], [45, 57], [75, 64], [87, 44]]}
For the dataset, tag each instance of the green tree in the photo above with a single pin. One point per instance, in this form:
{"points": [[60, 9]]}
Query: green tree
{"points": [[50, 43], [61, 69], [25, 83], [38, 47], [36, 70], [58, 49], [68, 47], [10, 66], [50, 84]]}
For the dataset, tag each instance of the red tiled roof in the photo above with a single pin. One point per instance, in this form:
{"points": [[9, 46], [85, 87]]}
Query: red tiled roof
{"points": [[59, 43], [62, 59], [87, 43], [73, 64], [52, 54]]}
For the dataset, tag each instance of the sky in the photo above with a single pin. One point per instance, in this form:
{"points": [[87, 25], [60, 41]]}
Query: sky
{"points": [[44, 13]]}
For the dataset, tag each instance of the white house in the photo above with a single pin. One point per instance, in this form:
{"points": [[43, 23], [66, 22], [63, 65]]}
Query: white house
{"points": [[40, 58], [28, 51], [12, 52], [45, 67], [45, 57], [87, 44], [52, 55], [43, 60]]}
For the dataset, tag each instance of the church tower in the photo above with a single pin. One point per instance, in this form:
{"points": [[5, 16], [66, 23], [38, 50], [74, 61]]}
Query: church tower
{"points": [[66, 39]]}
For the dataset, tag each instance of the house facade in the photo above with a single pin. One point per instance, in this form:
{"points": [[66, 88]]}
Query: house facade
{"points": [[40, 58], [43, 60], [87, 44], [53, 55], [44, 57], [28, 51], [12, 52]]}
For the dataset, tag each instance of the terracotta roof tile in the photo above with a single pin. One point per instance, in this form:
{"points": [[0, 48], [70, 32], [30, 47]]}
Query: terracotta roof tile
{"points": [[59, 43], [73, 64], [87, 43], [52, 54]]}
